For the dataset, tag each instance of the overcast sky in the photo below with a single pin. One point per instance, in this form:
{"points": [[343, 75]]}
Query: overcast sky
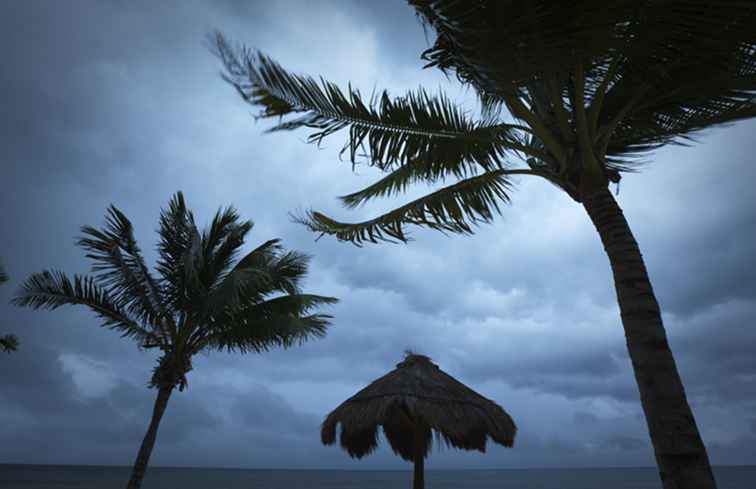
{"points": [[121, 102]]}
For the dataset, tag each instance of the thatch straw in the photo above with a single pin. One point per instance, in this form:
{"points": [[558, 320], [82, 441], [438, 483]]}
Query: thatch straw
{"points": [[417, 393]]}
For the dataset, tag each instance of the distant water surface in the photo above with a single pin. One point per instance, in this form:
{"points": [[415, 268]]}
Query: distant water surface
{"points": [[94, 477]]}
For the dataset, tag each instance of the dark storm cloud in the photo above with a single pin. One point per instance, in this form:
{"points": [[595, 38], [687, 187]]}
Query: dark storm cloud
{"points": [[721, 358], [264, 412], [121, 103], [42, 399], [623, 442]]}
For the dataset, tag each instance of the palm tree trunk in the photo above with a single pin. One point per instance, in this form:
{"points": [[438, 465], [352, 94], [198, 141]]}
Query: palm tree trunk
{"points": [[680, 452], [143, 457]]}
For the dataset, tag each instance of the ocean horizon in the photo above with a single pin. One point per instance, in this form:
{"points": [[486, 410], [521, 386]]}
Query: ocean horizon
{"points": [[30, 476]]}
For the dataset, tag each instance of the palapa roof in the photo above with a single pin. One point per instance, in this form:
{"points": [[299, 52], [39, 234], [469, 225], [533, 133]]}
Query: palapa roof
{"points": [[417, 391]]}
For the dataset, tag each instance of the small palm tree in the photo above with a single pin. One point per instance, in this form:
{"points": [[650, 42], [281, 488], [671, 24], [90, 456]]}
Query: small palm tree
{"points": [[204, 299], [576, 91], [9, 342]]}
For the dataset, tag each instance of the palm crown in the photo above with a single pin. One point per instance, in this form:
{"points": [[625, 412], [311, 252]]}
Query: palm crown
{"points": [[590, 87], [204, 297]]}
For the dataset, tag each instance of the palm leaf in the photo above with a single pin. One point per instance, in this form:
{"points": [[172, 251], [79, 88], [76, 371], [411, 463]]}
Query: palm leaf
{"points": [[260, 257], [238, 288], [221, 242], [282, 332], [8, 343], [248, 281], [176, 231], [261, 273], [266, 326], [217, 263], [454, 208], [225, 221], [120, 267], [287, 270], [530, 37], [500, 45], [683, 98], [53, 289], [192, 266], [656, 71], [394, 183], [390, 132], [291, 305], [424, 170]]}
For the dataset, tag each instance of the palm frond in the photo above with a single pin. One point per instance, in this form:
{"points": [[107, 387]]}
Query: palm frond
{"points": [[277, 322], [177, 232], [261, 256], [454, 209], [687, 94], [264, 271], [398, 180], [218, 263], [192, 266], [8, 343], [120, 267], [684, 65], [221, 242], [53, 289], [288, 305], [282, 332], [246, 289], [223, 224], [498, 46], [237, 289], [647, 129], [287, 270], [394, 183], [388, 132], [248, 281]]}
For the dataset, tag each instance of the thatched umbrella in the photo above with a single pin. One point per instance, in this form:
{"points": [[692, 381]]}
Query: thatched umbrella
{"points": [[410, 402]]}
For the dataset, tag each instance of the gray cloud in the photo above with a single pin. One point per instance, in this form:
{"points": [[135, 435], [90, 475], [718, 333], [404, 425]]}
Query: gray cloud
{"points": [[42, 399], [121, 103], [625, 443]]}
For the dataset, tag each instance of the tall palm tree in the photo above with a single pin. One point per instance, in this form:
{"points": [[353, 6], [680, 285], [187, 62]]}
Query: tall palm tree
{"points": [[9, 342], [204, 299], [574, 91]]}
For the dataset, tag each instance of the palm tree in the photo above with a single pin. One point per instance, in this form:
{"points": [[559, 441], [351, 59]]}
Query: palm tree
{"points": [[201, 301], [9, 342], [574, 91]]}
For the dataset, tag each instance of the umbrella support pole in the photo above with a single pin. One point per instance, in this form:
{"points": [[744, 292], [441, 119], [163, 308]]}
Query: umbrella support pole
{"points": [[419, 480]]}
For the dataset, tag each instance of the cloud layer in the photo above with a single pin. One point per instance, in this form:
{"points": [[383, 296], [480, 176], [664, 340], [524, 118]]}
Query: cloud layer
{"points": [[121, 103]]}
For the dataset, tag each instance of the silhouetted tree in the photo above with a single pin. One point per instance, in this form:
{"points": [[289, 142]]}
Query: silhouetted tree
{"points": [[590, 86], [9, 342], [204, 299]]}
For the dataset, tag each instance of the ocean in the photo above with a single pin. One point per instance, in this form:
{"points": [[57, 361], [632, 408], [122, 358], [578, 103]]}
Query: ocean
{"points": [[95, 477]]}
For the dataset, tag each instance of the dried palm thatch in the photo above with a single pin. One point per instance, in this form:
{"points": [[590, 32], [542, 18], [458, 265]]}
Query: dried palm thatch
{"points": [[411, 403]]}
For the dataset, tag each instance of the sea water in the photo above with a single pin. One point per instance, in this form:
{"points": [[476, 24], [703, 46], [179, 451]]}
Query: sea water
{"points": [[95, 477]]}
